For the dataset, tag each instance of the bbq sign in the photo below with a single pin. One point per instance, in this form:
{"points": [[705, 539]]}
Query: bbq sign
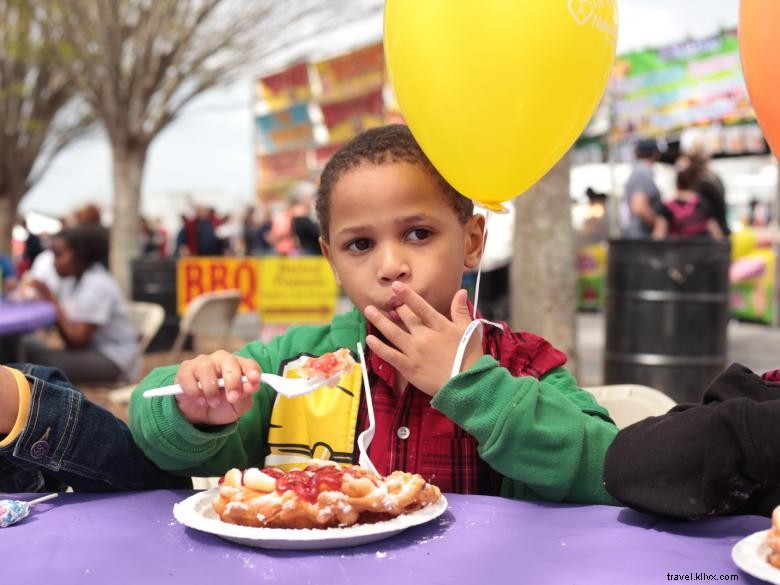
{"points": [[280, 289]]}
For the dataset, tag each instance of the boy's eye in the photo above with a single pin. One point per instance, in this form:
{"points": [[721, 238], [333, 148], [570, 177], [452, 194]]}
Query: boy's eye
{"points": [[418, 234], [359, 245]]}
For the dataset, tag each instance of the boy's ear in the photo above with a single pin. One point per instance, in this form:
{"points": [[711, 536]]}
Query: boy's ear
{"points": [[325, 247], [474, 240]]}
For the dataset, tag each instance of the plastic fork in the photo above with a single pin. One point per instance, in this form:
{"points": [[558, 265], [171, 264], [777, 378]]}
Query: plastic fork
{"points": [[364, 439], [286, 386]]}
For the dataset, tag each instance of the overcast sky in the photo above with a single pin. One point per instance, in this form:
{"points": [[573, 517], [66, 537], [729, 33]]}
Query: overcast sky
{"points": [[209, 151]]}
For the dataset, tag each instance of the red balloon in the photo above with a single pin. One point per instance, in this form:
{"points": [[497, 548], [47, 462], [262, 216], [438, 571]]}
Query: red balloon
{"points": [[759, 46]]}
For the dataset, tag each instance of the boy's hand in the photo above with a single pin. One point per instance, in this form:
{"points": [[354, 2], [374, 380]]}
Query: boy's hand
{"points": [[9, 401], [203, 402], [424, 352]]}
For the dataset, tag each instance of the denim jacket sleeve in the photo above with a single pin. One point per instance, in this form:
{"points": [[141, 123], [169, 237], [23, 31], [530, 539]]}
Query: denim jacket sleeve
{"points": [[70, 441]]}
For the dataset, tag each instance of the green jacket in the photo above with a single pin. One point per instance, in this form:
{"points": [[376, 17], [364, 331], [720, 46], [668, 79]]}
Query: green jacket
{"points": [[546, 437]]}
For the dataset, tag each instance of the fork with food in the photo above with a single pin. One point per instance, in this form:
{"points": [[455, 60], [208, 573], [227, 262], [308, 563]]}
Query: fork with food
{"points": [[316, 372]]}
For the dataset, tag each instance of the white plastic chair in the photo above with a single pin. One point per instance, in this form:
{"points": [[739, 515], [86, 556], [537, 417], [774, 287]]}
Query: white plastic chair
{"points": [[147, 318], [210, 314], [630, 403]]}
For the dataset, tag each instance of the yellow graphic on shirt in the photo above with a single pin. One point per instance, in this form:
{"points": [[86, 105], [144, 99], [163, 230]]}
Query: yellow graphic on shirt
{"points": [[318, 425]]}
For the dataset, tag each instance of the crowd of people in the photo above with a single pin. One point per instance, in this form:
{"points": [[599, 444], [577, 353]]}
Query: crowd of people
{"points": [[697, 209], [285, 227]]}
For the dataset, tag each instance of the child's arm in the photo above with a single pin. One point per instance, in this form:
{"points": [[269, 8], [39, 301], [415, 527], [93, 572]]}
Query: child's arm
{"points": [[545, 434], [172, 441], [9, 400], [58, 433]]}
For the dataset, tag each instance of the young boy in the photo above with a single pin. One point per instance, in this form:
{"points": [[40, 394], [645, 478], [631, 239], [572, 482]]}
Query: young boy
{"points": [[398, 238], [51, 437]]}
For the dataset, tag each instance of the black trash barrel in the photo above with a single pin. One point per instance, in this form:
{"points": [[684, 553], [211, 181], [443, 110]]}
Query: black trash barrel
{"points": [[154, 281], [666, 314]]}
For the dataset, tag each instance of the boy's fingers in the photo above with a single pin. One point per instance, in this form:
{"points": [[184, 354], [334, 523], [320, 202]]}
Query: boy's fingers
{"points": [[460, 308], [409, 317], [392, 356], [250, 369], [419, 306], [185, 377], [390, 330], [206, 374]]}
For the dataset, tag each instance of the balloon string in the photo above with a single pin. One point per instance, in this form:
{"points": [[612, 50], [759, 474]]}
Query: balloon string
{"points": [[479, 268]]}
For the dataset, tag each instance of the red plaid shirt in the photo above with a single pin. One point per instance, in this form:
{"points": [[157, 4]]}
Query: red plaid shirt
{"points": [[412, 436], [773, 376]]}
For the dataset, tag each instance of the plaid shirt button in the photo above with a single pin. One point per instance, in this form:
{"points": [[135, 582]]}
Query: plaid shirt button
{"points": [[403, 432]]}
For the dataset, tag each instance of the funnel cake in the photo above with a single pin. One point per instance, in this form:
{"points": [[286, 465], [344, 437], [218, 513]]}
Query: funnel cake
{"points": [[323, 495]]}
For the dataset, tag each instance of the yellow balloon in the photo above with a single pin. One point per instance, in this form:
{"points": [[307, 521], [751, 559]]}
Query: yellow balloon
{"points": [[496, 91]]}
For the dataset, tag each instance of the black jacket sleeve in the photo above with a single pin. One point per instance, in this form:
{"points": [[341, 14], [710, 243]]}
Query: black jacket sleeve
{"points": [[710, 459]]}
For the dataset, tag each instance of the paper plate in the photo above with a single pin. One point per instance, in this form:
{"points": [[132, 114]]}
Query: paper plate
{"points": [[197, 512], [750, 553]]}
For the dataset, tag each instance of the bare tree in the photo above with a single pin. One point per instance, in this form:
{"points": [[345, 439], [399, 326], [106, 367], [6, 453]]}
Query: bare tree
{"points": [[142, 61], [34, 90], [543, 278]]}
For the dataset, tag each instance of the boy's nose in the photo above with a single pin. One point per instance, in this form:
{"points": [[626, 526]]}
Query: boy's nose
{"points": [[392, 265]]}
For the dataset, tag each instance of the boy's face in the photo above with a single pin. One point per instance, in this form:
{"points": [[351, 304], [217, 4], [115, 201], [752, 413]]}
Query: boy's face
{"points": [[392, 222]]}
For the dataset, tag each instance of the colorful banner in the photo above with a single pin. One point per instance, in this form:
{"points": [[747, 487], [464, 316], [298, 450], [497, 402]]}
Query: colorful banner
{"points": [[323, 153], [687, 84], [353, 73], [348, 118], [288, 87], [285, 129], [279, 165], [280, 289]]}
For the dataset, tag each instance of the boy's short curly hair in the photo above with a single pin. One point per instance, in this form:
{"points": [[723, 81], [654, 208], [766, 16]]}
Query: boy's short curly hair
{"points": [[387, 144]]}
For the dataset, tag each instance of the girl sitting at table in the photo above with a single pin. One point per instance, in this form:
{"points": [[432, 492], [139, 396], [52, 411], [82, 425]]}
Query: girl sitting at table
{"points": [[92, 316]]}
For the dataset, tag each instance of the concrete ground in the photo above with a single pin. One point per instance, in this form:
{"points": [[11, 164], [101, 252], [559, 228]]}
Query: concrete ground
{"points": [[756, 346]]}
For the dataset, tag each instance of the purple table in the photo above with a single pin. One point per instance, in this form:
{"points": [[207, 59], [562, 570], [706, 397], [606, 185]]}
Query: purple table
{"points": [[133, 538], [25, 316]]}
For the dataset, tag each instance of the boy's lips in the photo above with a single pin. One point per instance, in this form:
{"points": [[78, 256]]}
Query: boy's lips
{"points": [[389, 309]]}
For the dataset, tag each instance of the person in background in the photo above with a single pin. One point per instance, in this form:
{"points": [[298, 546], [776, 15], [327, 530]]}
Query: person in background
{"points": [[642, 197], [262, 242], [52, 438], [709, 188], [90, 215], [511, 421], [248, 230], [152, 239], [198, 236], [92, 315], [8, 279], [281, 235], [595, 228], [687, 215], [304, 228], [32, 246]]}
